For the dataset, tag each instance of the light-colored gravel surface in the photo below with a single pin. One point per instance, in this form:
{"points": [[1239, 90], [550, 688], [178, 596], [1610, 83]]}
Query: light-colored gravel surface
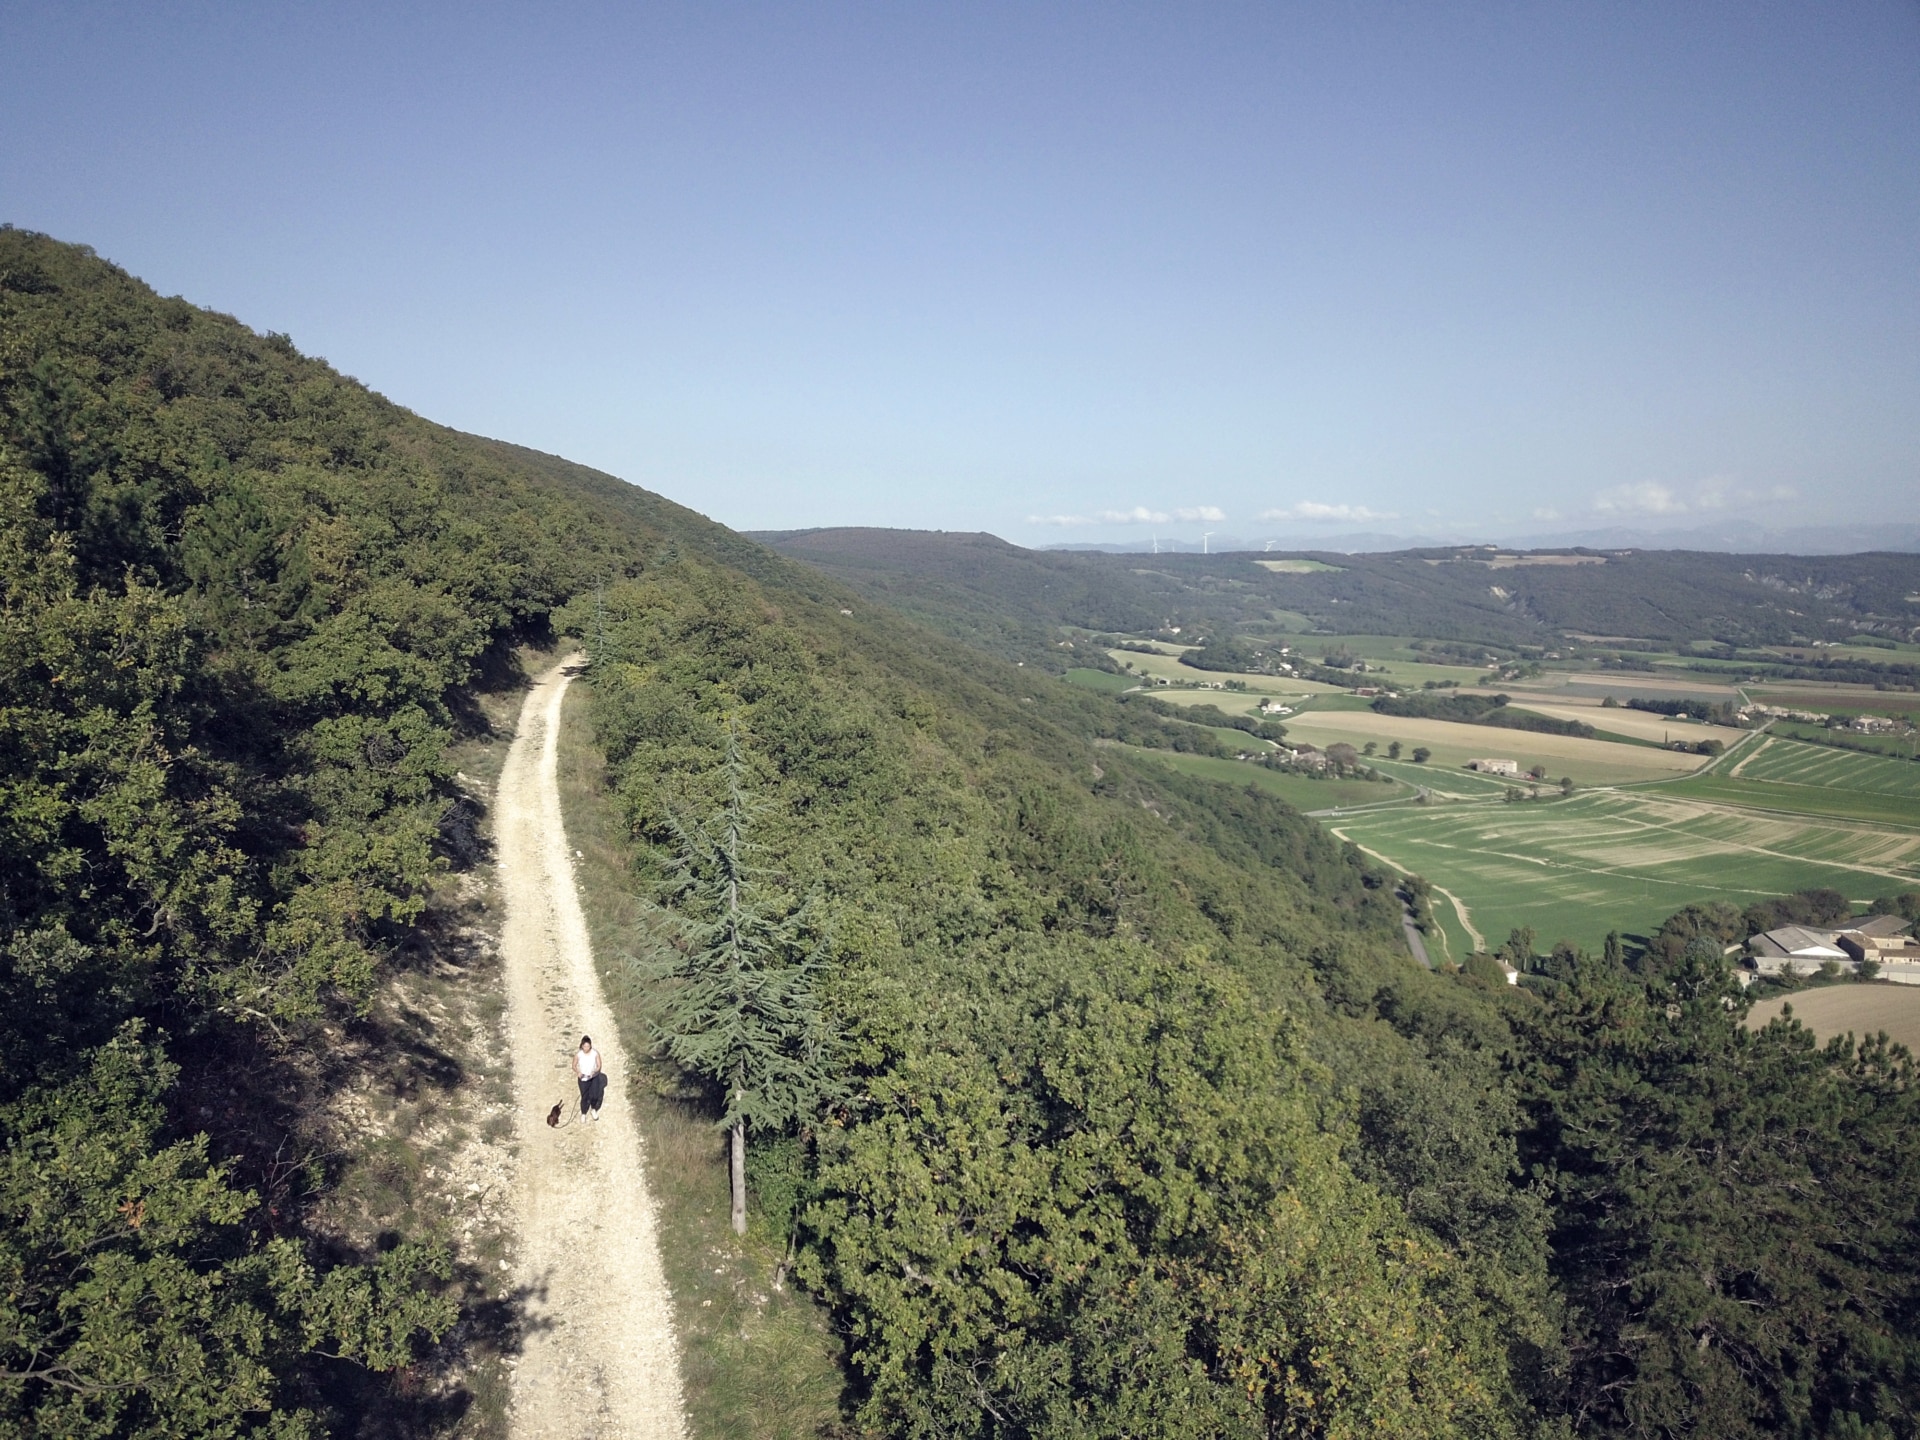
{"points": [[600, 1358]]}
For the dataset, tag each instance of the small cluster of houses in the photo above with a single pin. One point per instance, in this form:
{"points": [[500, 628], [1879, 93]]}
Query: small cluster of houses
{"points": [[1495, 767], [1860, 724], [1883, 940], [1752, 711]]}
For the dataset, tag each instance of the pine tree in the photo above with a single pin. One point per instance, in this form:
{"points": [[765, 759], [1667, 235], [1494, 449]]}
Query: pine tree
{"points": [[597, 628], [743, 1010]]}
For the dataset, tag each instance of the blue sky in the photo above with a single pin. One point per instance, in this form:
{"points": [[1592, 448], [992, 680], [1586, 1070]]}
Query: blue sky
{"points": [[1066, 273]]}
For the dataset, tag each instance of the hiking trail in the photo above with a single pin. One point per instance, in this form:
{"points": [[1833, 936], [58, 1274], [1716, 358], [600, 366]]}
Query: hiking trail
{"points": [[599, 1357]]}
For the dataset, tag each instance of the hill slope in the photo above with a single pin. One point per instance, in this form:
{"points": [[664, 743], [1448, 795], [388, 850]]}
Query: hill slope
{"points": [[1126, 1111], [981, 589], [245, 604]]}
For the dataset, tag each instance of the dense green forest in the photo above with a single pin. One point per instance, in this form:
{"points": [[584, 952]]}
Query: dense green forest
{"points": [[242, 606], [1137, 1118], [1014, 601]]}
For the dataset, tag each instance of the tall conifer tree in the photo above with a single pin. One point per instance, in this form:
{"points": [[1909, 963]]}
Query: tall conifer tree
{"points": [[744, 1012]]}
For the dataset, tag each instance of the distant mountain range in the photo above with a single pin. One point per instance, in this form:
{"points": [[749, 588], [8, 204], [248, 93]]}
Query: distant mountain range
{"points": [[1733, 537], [1025, 605]]}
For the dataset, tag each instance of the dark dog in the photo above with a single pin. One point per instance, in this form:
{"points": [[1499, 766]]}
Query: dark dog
{"points": [[553, 1117]]}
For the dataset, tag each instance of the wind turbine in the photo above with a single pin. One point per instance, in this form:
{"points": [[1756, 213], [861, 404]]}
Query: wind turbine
{"points": [[1204, 538]]}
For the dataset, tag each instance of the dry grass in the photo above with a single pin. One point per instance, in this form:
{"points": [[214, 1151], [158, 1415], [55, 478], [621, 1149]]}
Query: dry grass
{"points": [[1590, 762], [1636, 724], [1630, 682], [1862, 1009], [1298, 567], [1515, 562]]}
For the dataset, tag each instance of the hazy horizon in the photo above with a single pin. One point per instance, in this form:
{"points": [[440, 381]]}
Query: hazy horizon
{"points": [[1821, 541], [1065, 274]]}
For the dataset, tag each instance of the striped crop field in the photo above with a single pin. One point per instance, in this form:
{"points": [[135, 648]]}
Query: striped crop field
{"points": [[1794, 762], [1574, 869], [1781, 774]]}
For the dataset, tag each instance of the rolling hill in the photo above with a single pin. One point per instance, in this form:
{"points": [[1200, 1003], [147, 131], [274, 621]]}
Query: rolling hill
{"points": [[978, 587], [248, 607]]}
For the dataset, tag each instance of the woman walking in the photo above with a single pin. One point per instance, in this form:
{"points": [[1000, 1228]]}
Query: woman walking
{"points": [[593, 1083]]}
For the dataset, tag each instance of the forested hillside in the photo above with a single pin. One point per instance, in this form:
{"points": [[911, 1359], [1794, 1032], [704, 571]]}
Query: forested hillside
{"points": [[1134, 1116], [983, 590], [244, 602], [977, 588]]}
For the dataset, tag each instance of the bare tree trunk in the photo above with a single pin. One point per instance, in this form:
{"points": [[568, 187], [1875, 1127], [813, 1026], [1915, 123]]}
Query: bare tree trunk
{"points": [[739, 1168]]}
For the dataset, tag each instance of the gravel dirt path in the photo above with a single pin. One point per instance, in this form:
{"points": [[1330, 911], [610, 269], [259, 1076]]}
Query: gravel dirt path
{"points": [[599, 1358]]}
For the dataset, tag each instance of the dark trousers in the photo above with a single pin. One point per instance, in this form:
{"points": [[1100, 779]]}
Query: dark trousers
{"points": [[592, 1092]]}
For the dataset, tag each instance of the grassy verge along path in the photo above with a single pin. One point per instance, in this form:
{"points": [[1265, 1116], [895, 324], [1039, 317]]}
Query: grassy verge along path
{"points": [[758, 1361]]}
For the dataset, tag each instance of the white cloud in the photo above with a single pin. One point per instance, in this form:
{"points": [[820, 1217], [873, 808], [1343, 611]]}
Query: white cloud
{"points": [[1716, 492], [1138, 515], [1648, 497], [1201, 512], [1314, 510], [1546, 512]]}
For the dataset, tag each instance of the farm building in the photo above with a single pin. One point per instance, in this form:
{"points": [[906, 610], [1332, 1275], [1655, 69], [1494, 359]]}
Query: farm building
{"points": [[1880, 937], [1495, 767], [1803, 949]]}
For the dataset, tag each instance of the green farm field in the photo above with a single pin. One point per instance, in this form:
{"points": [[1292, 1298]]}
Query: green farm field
{"points": [[1848, 699], [1089, 679], [1795, 763], [1900, 746], [1405, 667], [1574, 869], [1412, 674], [1168, 667], [1791, 775], [1300, 791]]}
